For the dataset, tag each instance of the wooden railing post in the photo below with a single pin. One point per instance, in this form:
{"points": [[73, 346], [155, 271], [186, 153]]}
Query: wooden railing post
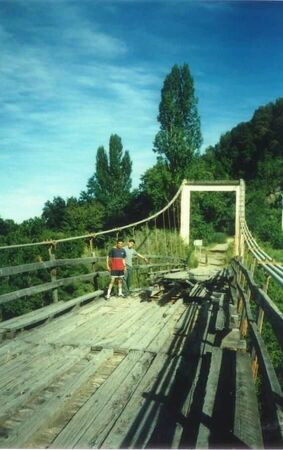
{"points": [[92, 252], [260, 318], [53, 271]]}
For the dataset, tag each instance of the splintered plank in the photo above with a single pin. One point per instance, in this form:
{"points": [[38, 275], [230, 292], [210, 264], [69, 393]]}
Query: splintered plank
{"points": [[94, 420], [50, 408], [209, 400], [10, 348], [38, 377], [17, 370], [247, 426]]}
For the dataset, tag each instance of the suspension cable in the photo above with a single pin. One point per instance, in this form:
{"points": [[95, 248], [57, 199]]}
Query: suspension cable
{"points": [[99, 233]]}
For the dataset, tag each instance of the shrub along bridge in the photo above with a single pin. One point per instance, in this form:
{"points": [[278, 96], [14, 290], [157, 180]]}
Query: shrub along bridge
{"points": [[181, 363]]}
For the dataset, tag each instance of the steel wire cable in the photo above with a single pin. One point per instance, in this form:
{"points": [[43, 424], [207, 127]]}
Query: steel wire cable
{"points": [[275, 271]]}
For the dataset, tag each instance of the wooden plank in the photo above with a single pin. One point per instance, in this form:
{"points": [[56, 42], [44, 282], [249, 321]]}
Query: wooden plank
{"points": [[32, 267], [247, 426], [101, 410], [39, 377], [46, 312], [8, 349], [175, 344], [145, 329], [220, 319], [71, 322], [183, 324], [16, 370], [105, 330], [68, 330], [47, 411], [30, 318], [26, 292], [272, 386], [22, 369], [106, 418], [233, 340], [139, 418], [127, 327], [132, 336], [204, 431], [166, 329]]}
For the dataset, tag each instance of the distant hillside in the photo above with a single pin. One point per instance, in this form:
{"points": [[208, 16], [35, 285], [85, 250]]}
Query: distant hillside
{"points": [[254, 151]]}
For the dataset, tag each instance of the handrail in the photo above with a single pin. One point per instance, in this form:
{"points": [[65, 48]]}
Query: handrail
{"points": [[273, 390], [44, 287], [275, 270], [51, 264], [272, 312]]}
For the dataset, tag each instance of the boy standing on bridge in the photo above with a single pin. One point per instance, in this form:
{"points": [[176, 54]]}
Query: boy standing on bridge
{"points": [[116, 265], [130, 252]]}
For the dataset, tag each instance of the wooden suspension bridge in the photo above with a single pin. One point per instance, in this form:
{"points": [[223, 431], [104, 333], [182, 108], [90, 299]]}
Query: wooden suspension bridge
{"points": [[180, 363]]}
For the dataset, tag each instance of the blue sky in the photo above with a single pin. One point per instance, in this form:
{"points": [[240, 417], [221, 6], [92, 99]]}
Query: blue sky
{"points": [[74, 72]]}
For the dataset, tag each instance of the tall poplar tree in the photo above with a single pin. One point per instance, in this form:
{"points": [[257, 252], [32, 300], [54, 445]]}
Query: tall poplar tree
{"points": [[179, 137], [111, 183]]}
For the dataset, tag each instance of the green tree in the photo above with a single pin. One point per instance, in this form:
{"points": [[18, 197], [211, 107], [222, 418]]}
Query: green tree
{"points": [[156, 184], [179, 137], [53, 213], [111, 183], [83, 217]]}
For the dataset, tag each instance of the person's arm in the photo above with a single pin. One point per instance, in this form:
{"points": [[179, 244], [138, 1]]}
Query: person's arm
{"points": [[142, 257], [108, 263]]}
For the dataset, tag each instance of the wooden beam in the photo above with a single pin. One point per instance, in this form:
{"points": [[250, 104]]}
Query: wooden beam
{"points": [[5, 298]]}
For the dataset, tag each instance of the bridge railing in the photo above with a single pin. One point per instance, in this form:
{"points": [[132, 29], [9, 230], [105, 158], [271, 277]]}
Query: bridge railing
{"points": [[253, 305], [271, 267], [96, 275]]}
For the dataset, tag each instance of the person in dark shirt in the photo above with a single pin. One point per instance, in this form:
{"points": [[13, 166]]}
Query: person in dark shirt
{"points": [[116, 265]]}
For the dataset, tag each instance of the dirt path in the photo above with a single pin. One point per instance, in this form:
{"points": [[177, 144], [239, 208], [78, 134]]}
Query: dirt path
{"points": [[210, 261]]}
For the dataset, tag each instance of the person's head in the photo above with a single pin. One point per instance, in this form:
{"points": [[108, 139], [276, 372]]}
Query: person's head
{"points": [[119, 243], [131, 243]]}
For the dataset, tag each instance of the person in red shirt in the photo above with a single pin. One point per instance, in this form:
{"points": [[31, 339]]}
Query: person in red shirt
{"points": [[116, 265]]}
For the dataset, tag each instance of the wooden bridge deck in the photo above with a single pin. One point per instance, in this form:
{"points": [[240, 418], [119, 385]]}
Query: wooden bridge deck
{"points": [[131, 374]]}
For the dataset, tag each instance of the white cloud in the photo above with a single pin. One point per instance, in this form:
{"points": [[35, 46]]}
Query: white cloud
{"points": [[96, 42]]}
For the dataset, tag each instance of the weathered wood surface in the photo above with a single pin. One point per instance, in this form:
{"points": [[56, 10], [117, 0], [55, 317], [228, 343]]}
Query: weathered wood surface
{"points": [[246, 425], [47, 265], [4, 298], [44, 313], [122, 373], [32, 267], [273, 314]]}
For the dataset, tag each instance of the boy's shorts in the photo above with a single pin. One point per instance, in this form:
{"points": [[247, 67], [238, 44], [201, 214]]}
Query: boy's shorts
{"points": [[117, 273]]}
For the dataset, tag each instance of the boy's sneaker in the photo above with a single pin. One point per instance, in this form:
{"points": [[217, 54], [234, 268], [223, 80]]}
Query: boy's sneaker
{"points": [[107, 297], [121, 295]]}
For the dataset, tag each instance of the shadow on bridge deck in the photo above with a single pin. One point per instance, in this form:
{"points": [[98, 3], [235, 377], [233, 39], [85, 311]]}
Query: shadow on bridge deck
{"points": [[131, 374]]}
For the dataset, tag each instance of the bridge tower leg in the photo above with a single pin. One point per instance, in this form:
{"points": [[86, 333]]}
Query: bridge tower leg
{"points": [[237, 246], [242, 216], [185, 214]]}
